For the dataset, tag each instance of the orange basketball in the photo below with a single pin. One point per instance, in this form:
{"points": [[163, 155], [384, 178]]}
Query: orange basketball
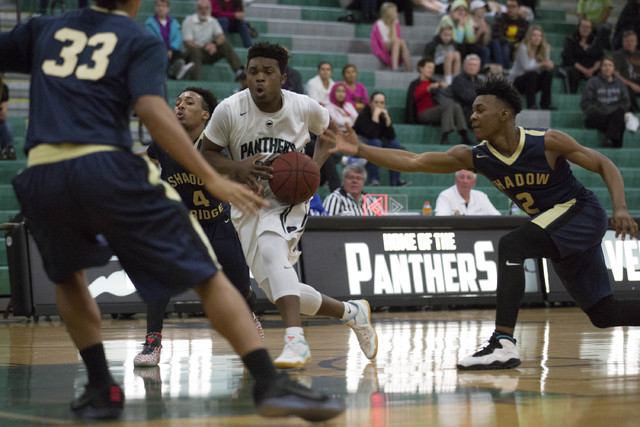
{"points": [[296, 178]]}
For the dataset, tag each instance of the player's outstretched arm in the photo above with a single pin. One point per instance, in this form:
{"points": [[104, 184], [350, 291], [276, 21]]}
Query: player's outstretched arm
{"points": [[171, 136], [456, 158], [562, 144]]}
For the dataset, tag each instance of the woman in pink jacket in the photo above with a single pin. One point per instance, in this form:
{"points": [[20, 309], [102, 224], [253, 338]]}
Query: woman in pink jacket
{"points": [[386, 38]]}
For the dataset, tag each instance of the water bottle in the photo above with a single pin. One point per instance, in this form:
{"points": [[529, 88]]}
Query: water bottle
{"points": [[426, 209]]}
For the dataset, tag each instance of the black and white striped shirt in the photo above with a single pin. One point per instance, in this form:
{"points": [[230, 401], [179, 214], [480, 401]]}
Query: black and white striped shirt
{"points": [[343, 204]]}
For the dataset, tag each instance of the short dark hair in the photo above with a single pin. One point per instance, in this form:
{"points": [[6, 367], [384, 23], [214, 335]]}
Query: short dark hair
{"points": [[209, 100], [424, 61], [346, 67], [272, 51], [325, 62], [107, 4], [373, 95], [503, 90]]}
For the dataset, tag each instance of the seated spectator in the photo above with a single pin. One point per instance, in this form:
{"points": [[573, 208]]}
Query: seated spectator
{"points": [[605, 100], [293, 81], [531, 72], [319, 86], [481, 30], [374, 127], [348, 200], [581, 56], [464, 85], [627, 64], [462, 24], [508, 30], [230, 16], [423, 106], [356, 92], [167, 29], [597, 12], [462, 199], [629, 19], [444, 51], [386, 39], [206, 43], [340, 111], [7, 151]]}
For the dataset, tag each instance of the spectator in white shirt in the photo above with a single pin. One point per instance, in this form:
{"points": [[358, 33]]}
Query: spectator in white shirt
{"points": [[319, 86], [462, 199]]}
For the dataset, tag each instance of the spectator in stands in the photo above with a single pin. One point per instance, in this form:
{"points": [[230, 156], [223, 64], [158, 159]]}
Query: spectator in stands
{"points": [[508, 30], [319, 86], [341, 112], [462, 199], [230, 16], [386, 39], [629, 19], [605, 100], [462, 23], [597, 12], [206, 43], [581, 56], [464, 85], [356, 92], [293, 81], [444, 51], [167, 29], [481, 30], [627, 65], [531, 72], [7, 151], [348, 200], [374, 127], [429, 103]]}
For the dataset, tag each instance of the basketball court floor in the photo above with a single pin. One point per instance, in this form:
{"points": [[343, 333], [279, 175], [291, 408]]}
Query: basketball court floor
{"points": [[572, 374]]}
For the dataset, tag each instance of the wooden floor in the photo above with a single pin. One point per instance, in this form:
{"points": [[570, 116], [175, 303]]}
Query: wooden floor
{"points": [[572, 374]]}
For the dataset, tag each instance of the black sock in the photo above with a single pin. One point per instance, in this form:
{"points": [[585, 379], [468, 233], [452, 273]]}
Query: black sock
{"points": [[156, 310], [500, 333], [261, 367], [96, 363]]}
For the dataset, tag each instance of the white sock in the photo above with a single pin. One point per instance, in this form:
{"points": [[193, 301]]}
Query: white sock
{"points": [[350, 311], [295, 331], [448, 80]]}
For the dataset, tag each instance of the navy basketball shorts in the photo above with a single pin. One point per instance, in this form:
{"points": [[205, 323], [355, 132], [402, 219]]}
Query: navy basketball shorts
{"points": [[83, 210], [226, 245], [577, 233]]}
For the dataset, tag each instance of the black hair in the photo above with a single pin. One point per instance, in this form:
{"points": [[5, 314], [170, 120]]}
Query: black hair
{"points": [[107, 4], [424, 61], [373, 95], [273, 51], [325, 62], [503, 90], [209, 100]]}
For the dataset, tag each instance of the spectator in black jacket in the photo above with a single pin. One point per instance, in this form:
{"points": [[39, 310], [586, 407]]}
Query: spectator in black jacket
{"points": [[464, 85], [629, 19], [627, 63], [374, 127], [581, 56]]}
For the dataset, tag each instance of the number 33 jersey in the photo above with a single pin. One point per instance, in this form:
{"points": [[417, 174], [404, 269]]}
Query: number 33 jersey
{"points": [[91, 63]]}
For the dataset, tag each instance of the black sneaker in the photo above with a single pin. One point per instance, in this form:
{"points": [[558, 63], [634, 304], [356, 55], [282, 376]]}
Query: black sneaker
{"points": [[283, 397], [99, 404], [8, 153], [252, 31]]}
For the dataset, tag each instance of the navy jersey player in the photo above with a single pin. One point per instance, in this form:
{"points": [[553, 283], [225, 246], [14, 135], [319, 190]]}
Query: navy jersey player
{"points": [[87, 196], [193, 109], [567, 222]]}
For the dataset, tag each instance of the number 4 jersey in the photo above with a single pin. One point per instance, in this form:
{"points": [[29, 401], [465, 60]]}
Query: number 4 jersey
{"points": [[526, 177], [91, 63]]}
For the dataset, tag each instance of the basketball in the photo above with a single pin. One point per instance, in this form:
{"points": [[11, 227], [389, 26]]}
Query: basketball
{"points": [[296, 178]]}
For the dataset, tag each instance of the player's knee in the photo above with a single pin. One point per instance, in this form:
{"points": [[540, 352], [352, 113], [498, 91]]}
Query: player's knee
{"points": [[310, 300], [603, 313]]}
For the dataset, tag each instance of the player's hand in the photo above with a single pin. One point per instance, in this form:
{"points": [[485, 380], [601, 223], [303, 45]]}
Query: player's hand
{"points": [[346, 143], [623, 224], [239, 195]]}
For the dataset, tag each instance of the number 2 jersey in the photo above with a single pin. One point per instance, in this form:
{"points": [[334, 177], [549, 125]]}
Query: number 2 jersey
{"points": [[526, 177], [91, 63]]}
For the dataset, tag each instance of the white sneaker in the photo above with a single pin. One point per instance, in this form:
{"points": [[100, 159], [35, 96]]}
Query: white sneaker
{"points": [[183, 70], [296, 353], [361, 325], [500, 353]]}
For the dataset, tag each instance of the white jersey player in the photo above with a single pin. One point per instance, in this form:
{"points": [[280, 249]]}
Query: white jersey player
{"points": [[255, 126]]}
